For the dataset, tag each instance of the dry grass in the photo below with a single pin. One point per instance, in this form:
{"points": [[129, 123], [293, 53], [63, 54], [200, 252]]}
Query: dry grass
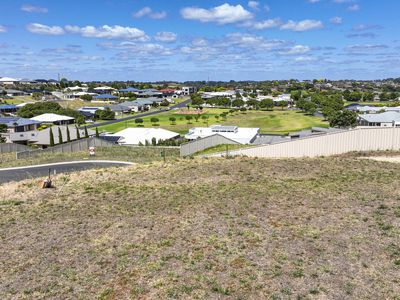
{"points": [[206, 229], [123, 153]]}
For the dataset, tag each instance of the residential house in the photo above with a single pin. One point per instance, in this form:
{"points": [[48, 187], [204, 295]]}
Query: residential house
{"points": [[238, 134], [104, 90], [54, 119], [149, 93], [17, 126], [132, 106], [8, 108], [129, 90], [42, 138], [119, 110], [8, 81], [14, 93], [136, 136], [385, 119], [187, 90], [106, 97]]}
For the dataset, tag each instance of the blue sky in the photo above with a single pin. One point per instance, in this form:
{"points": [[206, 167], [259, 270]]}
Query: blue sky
{"points": [[196, 40]]}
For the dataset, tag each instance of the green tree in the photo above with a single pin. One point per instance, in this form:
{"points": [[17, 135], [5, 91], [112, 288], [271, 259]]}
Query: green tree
{"points": [[86, 132], [139, 122], [172, 120], [87, 97], [343, 119], [60, 137], [68, 135], [238, 103], [97, 132], [154, 141], [3, 129], [267, 104], [188, 119], [310, 108], [78, 134], [51, 137], [154, 121], [105, 114], [217, 118]]}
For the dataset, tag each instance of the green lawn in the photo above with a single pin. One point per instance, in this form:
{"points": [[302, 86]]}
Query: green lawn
{"points": [[372, 103], [276, 121]]}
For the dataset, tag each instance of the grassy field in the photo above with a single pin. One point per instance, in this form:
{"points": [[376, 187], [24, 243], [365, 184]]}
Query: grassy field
{"points": [[130, 154], [19, 100], [276, 121], [323, 228]]}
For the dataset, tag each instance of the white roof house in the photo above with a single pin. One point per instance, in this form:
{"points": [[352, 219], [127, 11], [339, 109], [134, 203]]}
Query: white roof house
{"points": [[104, 88], [134, 136], [53, 119], [385, 119], [8, 80], [238, 134]]}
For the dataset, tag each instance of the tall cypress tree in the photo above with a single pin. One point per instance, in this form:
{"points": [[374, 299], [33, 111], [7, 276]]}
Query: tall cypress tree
{"points": [[78, 135], [68, 135], [86, 132], [51, 138], [97, 132], [60, 137]]}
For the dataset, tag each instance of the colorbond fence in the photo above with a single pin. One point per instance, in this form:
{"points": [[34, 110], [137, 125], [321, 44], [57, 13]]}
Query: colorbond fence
{"points": [[205, 143], [359, 139], [75, 146], [9, 148]]}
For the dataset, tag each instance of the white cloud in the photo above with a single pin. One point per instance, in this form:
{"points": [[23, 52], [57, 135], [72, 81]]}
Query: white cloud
{"points": [[365, 47], [131, 49], [44, 29], [304, 25], [313, 1], [295, 50], [109, 32], [253, 4], [245, 40], [354, 7], [362, 27], [266, 24], [3, 29], [167, 37], [223, 14], [147, 11], [304, 59], [336, 20], [34, 9]]}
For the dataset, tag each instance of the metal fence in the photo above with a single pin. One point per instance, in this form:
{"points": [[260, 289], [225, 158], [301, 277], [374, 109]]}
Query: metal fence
{"points": [[9, 148], [359, 139], [75, 146], [205, 143]]}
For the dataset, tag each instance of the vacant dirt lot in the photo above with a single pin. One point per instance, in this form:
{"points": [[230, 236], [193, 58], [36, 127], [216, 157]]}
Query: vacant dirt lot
{"points": [[324, 228]]}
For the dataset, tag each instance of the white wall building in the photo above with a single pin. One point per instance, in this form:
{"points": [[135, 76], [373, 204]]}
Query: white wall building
{"points": [[238, 134], [135, 136], [386, 119]]}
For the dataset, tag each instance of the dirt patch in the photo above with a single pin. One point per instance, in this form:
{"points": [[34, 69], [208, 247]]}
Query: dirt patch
{"points": [[184, 111], [392, 159]]}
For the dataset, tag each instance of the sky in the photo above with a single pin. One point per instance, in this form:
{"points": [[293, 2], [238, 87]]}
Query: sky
{"points": [[183, 40]]}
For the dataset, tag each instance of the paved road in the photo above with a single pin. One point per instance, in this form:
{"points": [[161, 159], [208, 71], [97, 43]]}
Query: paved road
{"points": [[150, 113], [21, 173]]}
